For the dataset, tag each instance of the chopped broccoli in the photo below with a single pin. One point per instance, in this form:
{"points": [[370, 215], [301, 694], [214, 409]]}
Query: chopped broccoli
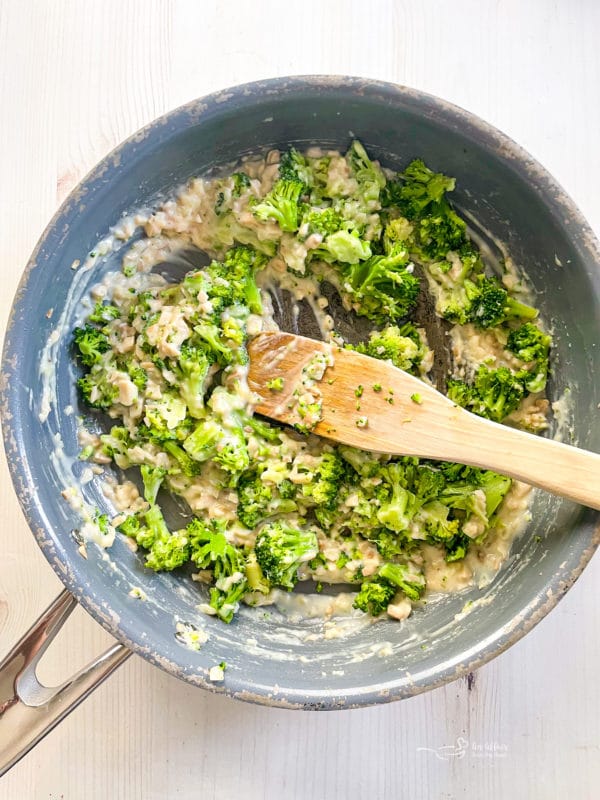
{"points": [[369, 175], [241, 182], [418, 188], [152, 478], [192, 370], [210, 549], [491, 305], [343, 246], [97, 390], [324, 486], [399, 575], [281, 204], [374, 596], [166, 550], [324, 221], [532, 346], [397, 512], [103, 313], [293, 166], [402, 346], [382, 288], [258, 500], [92, 344], [494, 394], [281, 550], [254, 575]]}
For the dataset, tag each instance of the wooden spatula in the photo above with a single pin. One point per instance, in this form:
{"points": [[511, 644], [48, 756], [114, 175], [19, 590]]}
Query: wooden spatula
{"points": [[408, 417]]}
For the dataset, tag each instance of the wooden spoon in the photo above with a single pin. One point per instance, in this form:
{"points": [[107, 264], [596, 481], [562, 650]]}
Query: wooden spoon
{"points": [[409, 417]]}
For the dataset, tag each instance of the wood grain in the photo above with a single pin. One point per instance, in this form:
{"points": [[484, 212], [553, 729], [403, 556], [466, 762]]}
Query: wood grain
{"points": [[76, 78]]}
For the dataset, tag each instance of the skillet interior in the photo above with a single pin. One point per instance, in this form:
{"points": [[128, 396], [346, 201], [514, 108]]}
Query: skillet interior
{"points": [[269, 659]]}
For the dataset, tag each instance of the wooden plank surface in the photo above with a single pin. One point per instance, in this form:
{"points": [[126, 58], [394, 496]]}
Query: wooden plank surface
{"points": [[77, 77]]}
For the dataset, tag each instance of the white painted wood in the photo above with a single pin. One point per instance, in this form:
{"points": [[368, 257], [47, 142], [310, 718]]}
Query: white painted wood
{"points": [[76, 78]]}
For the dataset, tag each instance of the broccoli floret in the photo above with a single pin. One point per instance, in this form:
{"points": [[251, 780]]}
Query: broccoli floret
{"points": [[281, 550], [417, 189], [210, 333], [374, 596], [402, 346], [531, 345], [258, 500], [491, 305], [192, 370], [494, 394], [254, 575], [324, 221], [185, 463], [281, 204], [103, 313], [343, 246], [241, 265], [91, 343], [240, 182], [138, 375], [369, 175], [381, 288], [210, 549], [377, 593], [324, 486], [364, 463], [293, 166], [166, 550], [152, 478], [397, 234], [201, 444], [116, 445], [164, 418], [232, 454], [226, 446], [399, 575], [397, 512], [96, 389]]}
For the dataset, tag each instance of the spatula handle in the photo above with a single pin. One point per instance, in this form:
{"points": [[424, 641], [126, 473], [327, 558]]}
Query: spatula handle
{"points": [[556, 467]]}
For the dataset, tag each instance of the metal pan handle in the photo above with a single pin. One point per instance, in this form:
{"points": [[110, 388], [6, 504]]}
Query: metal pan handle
{"points": [[29, 710]]}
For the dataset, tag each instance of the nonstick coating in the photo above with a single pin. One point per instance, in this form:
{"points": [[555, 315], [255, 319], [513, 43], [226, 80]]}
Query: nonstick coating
{"points": [[269, 659]]}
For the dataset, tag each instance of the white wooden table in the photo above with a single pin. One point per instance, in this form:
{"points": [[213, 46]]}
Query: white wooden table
{"points": [[78, 77]]}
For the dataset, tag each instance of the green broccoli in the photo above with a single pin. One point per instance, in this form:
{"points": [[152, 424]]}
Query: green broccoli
{"points": [[192, 369], [382, 288], [254, 575], [281, 550], [402, 346], [405, 579], [293, 166], [417, 189], [398, 510], [185, 463], [103, 313], [324, 221], [152, 478], [369, 176], [92, 343], [324, 486], [491, 304], [210, 549], [281, 204], [343, 246], [494, 394], [531, 345], [258, 500], [166, 550], [374, 596], [97, 390]]}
